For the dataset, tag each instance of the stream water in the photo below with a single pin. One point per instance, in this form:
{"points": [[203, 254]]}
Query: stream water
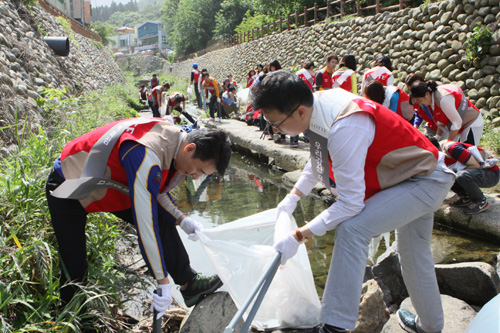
{"points": [[250, 187]]}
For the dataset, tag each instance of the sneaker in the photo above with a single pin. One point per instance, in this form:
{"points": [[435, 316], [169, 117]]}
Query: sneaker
{"points": [[325, 328], [461, 201], [280, 140], [211, 119], [407, 321], [217, 120], [489, 163], [477, 207], [294, 144], [200, 287]]}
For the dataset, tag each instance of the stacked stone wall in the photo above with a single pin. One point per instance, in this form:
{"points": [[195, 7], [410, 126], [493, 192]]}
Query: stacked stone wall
{"points": [[27, 63], [430, 40]]}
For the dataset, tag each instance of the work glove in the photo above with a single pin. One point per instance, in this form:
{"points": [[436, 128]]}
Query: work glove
{"points": [[190, 227], [288, 204], [288, 247], [161, 303], [218, 99]]}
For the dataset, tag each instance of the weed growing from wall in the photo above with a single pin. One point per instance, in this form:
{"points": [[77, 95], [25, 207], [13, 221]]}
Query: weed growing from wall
{"points": [[478, 43]]}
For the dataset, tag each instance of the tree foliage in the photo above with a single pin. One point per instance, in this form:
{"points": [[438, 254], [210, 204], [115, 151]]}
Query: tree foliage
{"points": [[103, 30], [103, 13], [230, 16], [190, 25]]}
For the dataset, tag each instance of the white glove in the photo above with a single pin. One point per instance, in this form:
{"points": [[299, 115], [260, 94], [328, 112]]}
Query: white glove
{"points": [[161, 303], [218, 99], [190, 227], [288, 204], [288, 247]]}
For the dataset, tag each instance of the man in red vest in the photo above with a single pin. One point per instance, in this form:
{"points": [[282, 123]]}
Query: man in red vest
{"points": [[128, 168], [386, 175], [196, 81]]}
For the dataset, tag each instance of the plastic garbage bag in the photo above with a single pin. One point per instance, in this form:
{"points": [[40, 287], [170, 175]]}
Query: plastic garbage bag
{"points": [[189, 92], [243, 96], [487, 319], [240, 252]]}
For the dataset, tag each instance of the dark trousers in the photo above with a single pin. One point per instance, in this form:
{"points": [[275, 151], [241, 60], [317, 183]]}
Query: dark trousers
{"points": [[185, 114], [469, 181], [214, 106], [69, 219], [197, 94], [156, 110]]}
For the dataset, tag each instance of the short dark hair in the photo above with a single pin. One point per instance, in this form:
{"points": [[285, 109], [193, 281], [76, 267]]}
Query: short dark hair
{"points": [[308, 65], [349, 61], [166, 85], [412, 78], [375, 91], [179, 98], [143, 86], [282, 91], [420, 88], [275, 64], [231, 88], [211, 145], [434, 141], [383, 60], [332, 56], [205, 74]]}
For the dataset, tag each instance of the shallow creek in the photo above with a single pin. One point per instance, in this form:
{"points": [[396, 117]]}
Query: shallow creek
{"points": [[249, 187]]}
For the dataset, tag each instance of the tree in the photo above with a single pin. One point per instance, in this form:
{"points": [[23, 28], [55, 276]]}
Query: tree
{"points": [[193, 24], [103, 30], [230, 16]]}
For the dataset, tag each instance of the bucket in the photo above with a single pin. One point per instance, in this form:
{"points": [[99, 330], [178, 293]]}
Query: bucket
{"points": [[60, 45]]}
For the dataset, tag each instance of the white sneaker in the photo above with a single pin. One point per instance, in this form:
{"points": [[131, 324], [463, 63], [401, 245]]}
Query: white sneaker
{"points": [[217, 120], [211, 119]]}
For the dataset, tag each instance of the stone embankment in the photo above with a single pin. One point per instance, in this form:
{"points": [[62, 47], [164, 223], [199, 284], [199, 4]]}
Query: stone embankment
{"points": [[429, 39], [27, 63]]}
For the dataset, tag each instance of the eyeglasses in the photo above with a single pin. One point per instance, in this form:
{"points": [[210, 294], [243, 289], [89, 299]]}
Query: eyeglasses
{"points": [[277, 125]]}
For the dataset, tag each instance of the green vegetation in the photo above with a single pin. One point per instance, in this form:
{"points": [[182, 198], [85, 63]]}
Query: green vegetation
{"points": [[67, 28], [491, 138], [478, 44], [104, 30], [29, 299]]}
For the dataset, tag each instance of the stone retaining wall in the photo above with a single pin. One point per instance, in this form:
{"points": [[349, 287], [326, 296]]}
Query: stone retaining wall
{"points": [[430, 40], [27, 63]]}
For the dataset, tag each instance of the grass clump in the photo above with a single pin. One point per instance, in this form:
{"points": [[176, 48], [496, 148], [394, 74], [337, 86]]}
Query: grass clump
{"points": [[29, 264]]}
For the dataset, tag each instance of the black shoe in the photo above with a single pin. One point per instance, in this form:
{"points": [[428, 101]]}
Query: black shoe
{"points": [[325, 328], [477, 207], [200, 287], [461, 201]]}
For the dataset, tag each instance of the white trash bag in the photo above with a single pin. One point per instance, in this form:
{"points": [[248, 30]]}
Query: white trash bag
{"points": [[189, 92], [241, 250]]}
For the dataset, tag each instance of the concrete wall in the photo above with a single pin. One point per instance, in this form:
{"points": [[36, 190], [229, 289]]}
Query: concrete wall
{"points": [[430, 40], [27, 63]]}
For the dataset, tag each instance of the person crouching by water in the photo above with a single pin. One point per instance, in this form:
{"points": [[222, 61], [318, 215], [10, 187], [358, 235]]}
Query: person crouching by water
{"points": [[355, 144], [128, 168]]}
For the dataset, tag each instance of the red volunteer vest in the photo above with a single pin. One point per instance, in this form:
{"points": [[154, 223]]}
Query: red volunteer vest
{"points": [[388, 127], [304, 78], [457, 94], [196, 75], [171, 100], [381, 78], [346, 85], [327, 78], [114, 200]]}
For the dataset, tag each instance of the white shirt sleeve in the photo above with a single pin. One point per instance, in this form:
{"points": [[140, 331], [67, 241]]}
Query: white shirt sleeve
{"points": [[307, 180], [449, 109], [348, 145], [390, 80]]}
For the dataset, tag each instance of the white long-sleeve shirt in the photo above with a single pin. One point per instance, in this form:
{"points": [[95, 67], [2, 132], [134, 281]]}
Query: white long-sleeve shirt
{"points": [[348, 144]]}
